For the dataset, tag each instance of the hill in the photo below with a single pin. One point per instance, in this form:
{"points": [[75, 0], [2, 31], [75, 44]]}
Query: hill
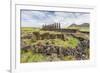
{"points": [[81, 27]]}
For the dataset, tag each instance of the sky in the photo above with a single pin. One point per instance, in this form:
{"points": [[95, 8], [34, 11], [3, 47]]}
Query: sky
{"points": [[31, 18]]}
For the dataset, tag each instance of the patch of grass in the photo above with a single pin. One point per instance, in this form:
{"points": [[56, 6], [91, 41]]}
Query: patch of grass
{"points": [[30, 29], [60, 42], [85, 29], [73, 28], [87, 52], [28, 41], [30, 57], [25, 56], [73, 42], [66, 58], [36, 58], [50, 32]]}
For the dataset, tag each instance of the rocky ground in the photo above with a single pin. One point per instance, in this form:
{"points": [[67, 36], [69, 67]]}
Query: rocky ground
{"points": [[67, 46]]}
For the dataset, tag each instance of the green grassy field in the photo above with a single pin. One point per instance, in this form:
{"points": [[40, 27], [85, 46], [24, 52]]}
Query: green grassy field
{"points": [[70, 42], [27, 57]]}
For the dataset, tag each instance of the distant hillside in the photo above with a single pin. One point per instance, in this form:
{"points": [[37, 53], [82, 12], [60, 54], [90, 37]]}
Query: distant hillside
{"points": [[72, 25], [81, 27], [84, 25]]}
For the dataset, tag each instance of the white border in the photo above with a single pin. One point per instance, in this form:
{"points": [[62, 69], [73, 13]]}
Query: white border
{"points": [[16, 66]]}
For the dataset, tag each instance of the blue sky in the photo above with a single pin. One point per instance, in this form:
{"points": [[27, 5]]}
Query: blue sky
{"points": [[31, 18]]}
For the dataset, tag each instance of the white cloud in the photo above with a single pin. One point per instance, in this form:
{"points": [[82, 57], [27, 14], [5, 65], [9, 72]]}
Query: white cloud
{"points": [[38, 18]]}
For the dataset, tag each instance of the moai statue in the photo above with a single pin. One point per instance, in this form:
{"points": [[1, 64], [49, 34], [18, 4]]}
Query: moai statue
{"points": [[54, 25], [51, 26], [58, 25], [45, 26], [42, 26]]}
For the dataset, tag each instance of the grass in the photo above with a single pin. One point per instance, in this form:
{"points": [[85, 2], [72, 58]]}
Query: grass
{"points": [[30, 29], [30, 57], [66, 58], [72, 42], [36, 58], [25, 57], [85, 29]]}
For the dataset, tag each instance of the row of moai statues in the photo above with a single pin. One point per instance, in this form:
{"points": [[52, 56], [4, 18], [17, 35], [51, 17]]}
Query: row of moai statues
{"points": [[52, 26]]}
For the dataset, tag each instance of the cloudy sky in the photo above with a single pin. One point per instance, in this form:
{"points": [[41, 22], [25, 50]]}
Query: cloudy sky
{"points": [[31, 18]]}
